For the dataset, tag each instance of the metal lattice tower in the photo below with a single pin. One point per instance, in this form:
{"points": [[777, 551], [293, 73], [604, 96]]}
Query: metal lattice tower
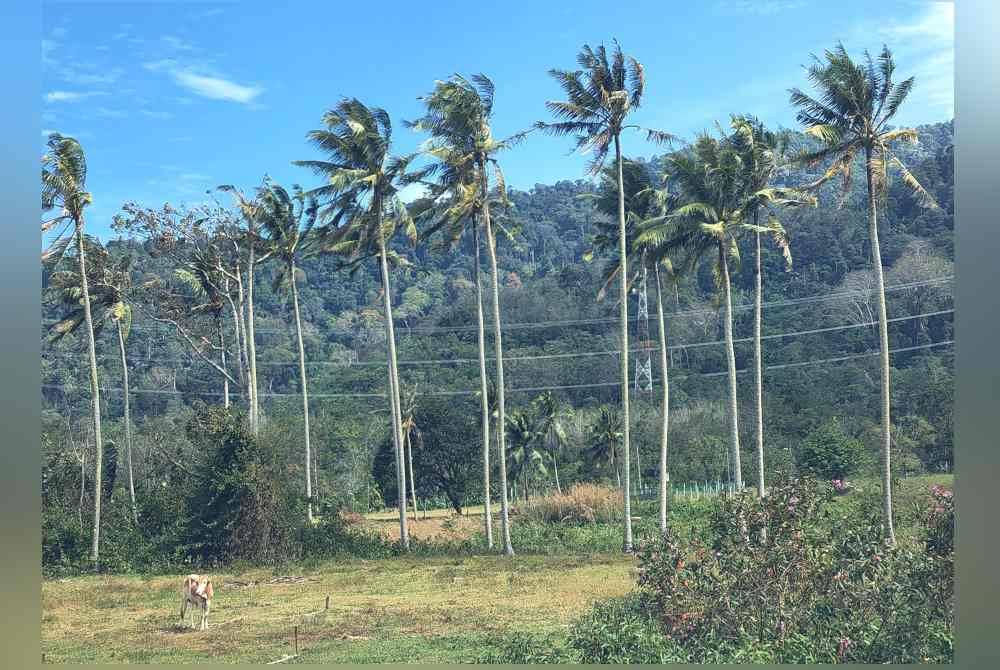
{"points": [[643, 360]]}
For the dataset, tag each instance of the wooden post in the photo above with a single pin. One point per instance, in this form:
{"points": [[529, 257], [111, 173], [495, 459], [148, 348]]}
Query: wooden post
{"points": [[296, 639], [327, 606]]}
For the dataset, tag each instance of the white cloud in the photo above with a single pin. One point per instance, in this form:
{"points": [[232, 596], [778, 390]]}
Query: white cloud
{"points": [[937, 23], [70, 96], [216, 88], [205, 85], [157, 114], [176, 43], [48, 47], [106, 113], [195, 176], [74, 75], [162, 64], [924, 47]]}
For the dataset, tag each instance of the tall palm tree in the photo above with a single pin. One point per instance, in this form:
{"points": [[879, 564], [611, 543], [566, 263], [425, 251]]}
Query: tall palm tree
{"points": [[362, 193], [110, 284], [287, 222], [642, 201], [600, 97], [762, 153], [64, 181], [850, 117], [461, 143], [707, 225]]}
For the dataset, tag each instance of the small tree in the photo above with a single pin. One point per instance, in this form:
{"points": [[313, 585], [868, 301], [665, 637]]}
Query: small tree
{"points": [[830, 453]]}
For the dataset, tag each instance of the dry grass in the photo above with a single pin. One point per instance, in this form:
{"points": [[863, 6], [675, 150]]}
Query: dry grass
{"points": [[581, 503], [377, 608]]}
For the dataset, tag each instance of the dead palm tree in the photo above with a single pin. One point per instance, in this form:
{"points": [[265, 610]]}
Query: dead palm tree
{"points": [[600, 98], [250, 210], [64, 181], [850, 117]]}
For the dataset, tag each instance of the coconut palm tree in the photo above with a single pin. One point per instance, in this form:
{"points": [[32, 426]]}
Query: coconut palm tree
{"points": [[462, 146], [64, 182], [707, 225], [551, 429], [362, 210], [287, 222], [600, 98], [110, 284], [606, 434], [642, 201], [850, 116], [525, 445], [761, 153]]}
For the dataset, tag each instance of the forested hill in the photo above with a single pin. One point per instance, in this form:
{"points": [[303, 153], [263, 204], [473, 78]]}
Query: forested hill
{"points": [[557, 333]]}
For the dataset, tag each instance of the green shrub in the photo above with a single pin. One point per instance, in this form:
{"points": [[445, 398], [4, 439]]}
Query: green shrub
{"points": [[828, 452], [622, 630], [789, 578], [527, 648]]}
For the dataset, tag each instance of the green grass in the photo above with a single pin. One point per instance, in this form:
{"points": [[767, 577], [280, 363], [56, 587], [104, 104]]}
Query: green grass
{"points": [[427, 609], [431, 609]]}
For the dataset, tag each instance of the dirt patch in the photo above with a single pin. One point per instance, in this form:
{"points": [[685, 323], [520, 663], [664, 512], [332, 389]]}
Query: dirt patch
{"points": [[447, 528]]}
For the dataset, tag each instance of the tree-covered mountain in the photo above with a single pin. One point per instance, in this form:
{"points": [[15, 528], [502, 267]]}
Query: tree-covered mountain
{"points": [[559, 336]]}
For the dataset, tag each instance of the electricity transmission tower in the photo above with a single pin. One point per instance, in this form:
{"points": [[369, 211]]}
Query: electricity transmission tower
{"points": [[643, 379]]}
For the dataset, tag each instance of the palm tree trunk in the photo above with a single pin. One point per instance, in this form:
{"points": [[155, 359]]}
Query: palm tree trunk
{"points": [[555, 470], [305, 389], [501, 429], [413, 486], [390, 333], [623, 297], [757, 364], [83, 482], [483, 392], [251, 344], [665, 408], [734, 427], [95, 393], [883, 333], [128, 425]]}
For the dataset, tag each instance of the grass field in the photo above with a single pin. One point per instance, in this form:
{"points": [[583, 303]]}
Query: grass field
{"points": [[395, 610], [427, 609]]}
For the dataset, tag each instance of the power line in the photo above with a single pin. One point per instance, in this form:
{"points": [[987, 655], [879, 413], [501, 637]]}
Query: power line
{"points": [[603, 320], [58, 387], [577, 354]]}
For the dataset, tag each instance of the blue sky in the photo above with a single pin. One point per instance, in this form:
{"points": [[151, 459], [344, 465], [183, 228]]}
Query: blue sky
{"points": [[171, 99]]}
